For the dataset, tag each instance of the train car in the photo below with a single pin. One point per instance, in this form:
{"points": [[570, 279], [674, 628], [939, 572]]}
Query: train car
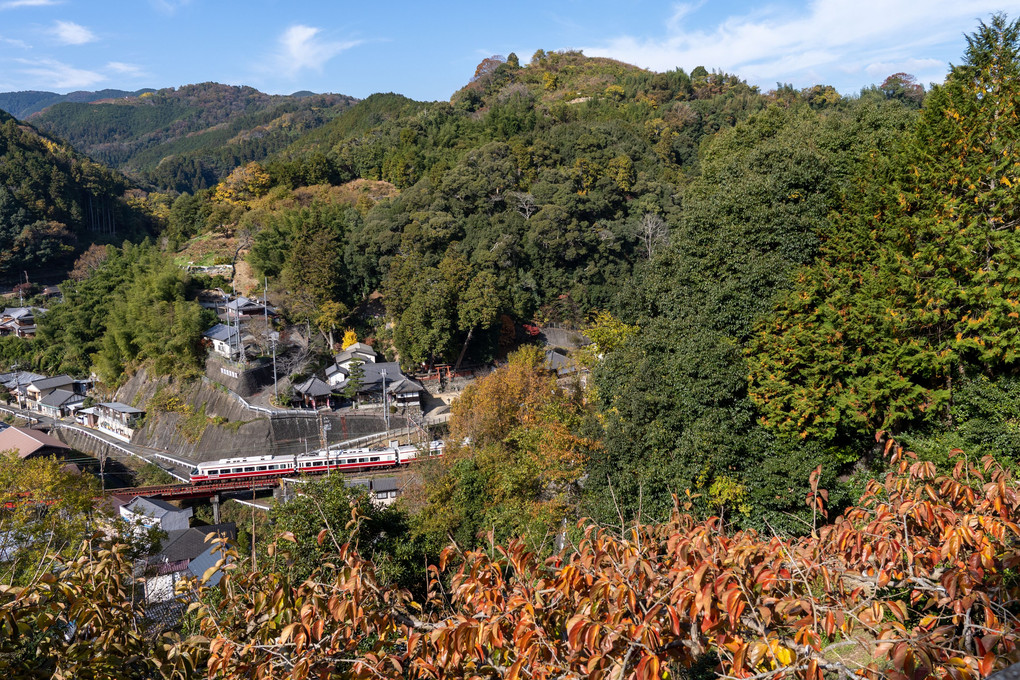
{"points": [[242, 468], [344, 460]]}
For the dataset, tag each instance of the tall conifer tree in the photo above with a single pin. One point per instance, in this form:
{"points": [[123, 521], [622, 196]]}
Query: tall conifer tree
{"points": [[920, 284]]}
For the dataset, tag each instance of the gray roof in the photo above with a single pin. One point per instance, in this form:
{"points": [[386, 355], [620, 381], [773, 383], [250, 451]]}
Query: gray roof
{"points": [[561, 364], [60, 397], [121, 408], [385, 484], [403, 386], [331, 370], [21, 312], [313, 387], [357, 351], [23, 378], [205, 561], [55, 381], [242, 303], [187, 544], [154, 507], [372, 374], [223, 333]]}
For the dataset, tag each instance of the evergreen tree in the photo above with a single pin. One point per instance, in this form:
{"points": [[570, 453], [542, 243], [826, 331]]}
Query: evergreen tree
{"points": [[920, 283]]}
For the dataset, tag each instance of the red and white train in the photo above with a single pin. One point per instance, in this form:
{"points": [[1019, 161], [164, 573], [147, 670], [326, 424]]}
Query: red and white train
{"points": [[345, 460]]}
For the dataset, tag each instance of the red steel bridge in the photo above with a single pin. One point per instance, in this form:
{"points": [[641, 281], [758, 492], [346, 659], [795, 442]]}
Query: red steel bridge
{"points": [[186, 491]]}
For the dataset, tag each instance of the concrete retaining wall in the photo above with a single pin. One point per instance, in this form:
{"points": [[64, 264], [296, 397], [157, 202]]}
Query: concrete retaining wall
{"points": [[243, 431]]}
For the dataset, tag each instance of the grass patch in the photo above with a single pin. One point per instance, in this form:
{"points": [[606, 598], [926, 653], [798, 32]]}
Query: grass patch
{"points": [[192, 426]]}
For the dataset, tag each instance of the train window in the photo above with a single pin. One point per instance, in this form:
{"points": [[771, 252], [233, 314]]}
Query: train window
{"points": [[249, 469], [361, 460], [373, 459], [261, 468]]}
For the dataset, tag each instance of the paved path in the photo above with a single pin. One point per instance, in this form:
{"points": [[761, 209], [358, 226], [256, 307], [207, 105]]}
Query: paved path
{"points": [[146, 453]]}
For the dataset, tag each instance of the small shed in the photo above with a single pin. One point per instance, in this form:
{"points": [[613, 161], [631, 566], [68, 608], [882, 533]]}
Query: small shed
{"points": [[313, 392]]}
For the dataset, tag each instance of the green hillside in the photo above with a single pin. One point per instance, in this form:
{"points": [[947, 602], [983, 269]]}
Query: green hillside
{"points": [[23, 104], [54, 202], [187, 138]]}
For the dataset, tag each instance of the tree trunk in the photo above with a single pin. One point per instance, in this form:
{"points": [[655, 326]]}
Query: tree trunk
{"points": [[463, 350]]}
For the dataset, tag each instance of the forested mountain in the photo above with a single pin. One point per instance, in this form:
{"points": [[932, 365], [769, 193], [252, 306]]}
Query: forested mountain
{"points": [[54, 202], [23, 104], [794, 452], [187, 138]]}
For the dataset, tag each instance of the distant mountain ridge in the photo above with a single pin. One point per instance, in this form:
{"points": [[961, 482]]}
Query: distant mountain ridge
{"points": [[26, 102], [186, 138]]}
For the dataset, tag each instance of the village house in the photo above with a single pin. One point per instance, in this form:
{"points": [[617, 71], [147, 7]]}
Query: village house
{"points": [[114, 418], [336, 376], [373, 378], [17, 381], [405, 393], [146, 513], [226, 341], [19, 321], [60, 403], [31, 443], [187, 553], [242, 307], [401, 391], [359, 351], [37, 389]]}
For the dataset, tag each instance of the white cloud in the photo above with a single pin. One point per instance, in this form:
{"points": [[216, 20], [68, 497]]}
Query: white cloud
{"points": [[15, 4], [14, 42], [168, 6], [834, 41], [70, 33], [125, 69], [300, 48], [58, 75]]}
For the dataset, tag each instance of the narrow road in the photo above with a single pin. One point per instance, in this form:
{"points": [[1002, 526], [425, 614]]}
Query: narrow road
{"points": [[146, 453]]}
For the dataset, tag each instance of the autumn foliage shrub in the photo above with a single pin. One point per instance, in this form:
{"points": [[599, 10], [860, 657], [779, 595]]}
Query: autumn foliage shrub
{"points": [[917, 580]]}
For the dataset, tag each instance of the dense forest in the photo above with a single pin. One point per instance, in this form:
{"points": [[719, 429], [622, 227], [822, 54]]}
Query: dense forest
{"points": [[793, 452], [54, 202], [190, 137]]}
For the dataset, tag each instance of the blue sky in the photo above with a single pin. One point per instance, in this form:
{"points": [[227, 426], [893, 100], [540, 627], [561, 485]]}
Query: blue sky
{"points": [[429, 50]]}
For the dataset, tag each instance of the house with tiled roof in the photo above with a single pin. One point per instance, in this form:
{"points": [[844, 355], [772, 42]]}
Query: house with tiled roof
{"points": [[114, 418], [37, 389], [148, 513], [60, 403], [187, 553], [31, 443], [226, 340], [19, 321]]}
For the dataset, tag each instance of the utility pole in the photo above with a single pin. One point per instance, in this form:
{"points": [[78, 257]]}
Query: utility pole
{"points": [[326, 427], [272, 337], [386, 401], [17, 382]]}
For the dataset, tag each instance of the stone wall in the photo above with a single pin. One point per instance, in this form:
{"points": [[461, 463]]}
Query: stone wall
{"points": [[229, 428], [244, 383]]}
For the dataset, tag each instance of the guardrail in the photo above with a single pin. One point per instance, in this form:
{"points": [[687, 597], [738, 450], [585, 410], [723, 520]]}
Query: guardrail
{"points": [[134, 454], [18, 414]]}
